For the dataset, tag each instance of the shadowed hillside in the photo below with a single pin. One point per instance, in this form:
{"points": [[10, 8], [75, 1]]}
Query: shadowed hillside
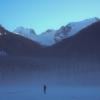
{"points": [[16, 45], [86, 42]]}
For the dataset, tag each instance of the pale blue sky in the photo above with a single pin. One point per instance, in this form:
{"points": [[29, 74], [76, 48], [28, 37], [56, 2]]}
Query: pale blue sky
{"points": [[43, 14]]}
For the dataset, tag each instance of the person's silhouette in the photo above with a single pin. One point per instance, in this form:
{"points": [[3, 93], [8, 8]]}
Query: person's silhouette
{"points": [[44, 89]]}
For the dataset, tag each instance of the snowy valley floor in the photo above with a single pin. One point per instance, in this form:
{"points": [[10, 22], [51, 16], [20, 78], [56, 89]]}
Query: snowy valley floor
{"points": [[66, 79], [53, 93]]}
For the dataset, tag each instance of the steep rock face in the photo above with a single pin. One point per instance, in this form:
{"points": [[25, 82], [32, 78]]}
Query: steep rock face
{"points": [[62, 33]]}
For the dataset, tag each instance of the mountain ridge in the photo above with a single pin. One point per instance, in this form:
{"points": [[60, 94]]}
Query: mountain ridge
{"points": [[51, 36], [14, 44]]}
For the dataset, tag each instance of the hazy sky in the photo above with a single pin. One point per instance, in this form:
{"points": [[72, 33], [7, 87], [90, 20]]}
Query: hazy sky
{"points": [[43, 14]]}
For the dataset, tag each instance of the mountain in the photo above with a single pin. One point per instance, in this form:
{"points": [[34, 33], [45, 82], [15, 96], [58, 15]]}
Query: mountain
{"points": [[85, 43], [47, 37], [74, 61], [80, 43], [13, 44], [73, 28], [51, 37], [26, 32]]}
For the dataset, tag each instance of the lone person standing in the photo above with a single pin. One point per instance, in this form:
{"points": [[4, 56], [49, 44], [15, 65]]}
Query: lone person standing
{"points": [[44, 89]]}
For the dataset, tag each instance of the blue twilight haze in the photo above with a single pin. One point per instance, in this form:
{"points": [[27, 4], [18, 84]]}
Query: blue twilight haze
{"points": [[43, 14]]}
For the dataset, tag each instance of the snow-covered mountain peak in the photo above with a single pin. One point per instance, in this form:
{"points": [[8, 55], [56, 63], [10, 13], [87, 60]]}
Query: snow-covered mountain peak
{"points": [[50, 36], [27, 32], [73, 28], [22, 31], [62, 32], [47, 37]]}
